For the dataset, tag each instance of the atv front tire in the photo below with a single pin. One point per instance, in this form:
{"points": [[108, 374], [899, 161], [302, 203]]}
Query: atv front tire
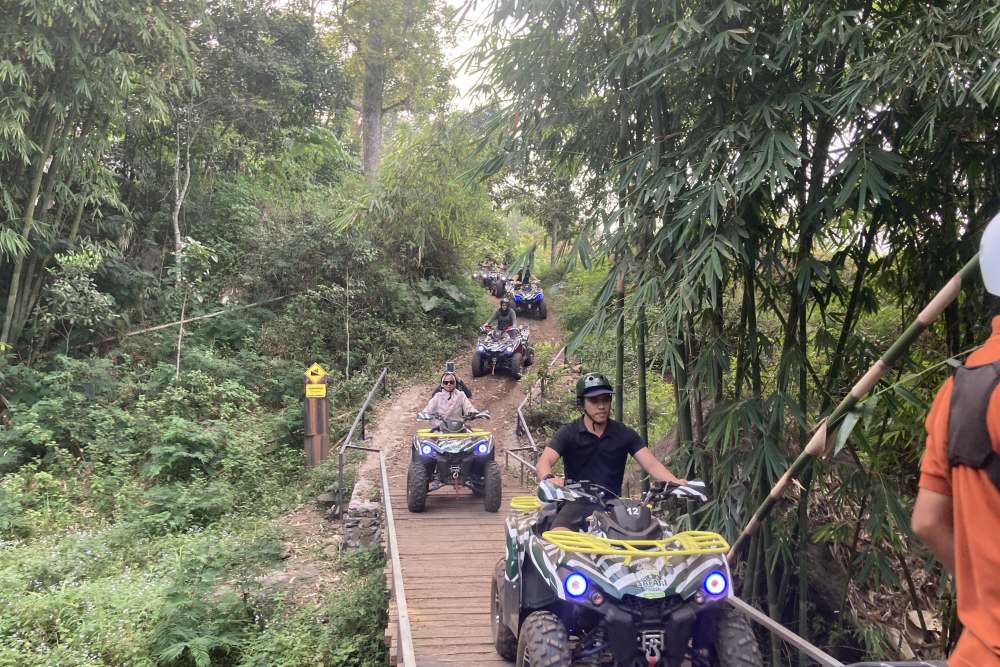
{"points": [[543, 642], [477, 365], [543, 311], [503, 639], [516, 364], [416, 486], [735, 643], [492, 486]]}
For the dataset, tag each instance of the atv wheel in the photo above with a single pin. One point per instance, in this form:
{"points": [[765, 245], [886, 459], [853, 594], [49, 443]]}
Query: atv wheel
{"points": [[503, 639], [543, 311], [735, 643], [492, 486], [516, 362], [477, 365], [543, 642], [416, 486]]}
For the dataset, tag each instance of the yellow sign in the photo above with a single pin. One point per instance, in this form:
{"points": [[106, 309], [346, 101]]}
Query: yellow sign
{"points": [[315, 373], [315, 391]]}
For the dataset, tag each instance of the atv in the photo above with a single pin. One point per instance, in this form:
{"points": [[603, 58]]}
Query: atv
{"points": [[626, 590], [506, 350], [499, 284], [453, 455], [528, 300]]}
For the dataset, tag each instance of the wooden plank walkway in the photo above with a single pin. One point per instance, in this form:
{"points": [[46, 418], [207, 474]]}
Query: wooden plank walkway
{"points": [[448, 553]]}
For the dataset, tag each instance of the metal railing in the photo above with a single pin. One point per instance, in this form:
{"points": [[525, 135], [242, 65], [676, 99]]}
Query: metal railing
{"points": [[359, 422], [402, 615], [521, 429], [403, 618]]}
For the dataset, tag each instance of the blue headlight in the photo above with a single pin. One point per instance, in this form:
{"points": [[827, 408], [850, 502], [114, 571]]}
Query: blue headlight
{"points": [[575, 585], [481, 348], [517, 298], [483, 447], [426, 450], [716, 583], [509, 350], [538, 297]]}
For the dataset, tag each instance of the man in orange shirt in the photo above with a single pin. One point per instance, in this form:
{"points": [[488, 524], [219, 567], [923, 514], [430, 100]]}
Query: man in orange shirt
{"points": [[957, 512]]}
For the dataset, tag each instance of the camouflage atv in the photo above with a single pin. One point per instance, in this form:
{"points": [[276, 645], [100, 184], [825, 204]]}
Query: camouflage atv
{"points": [[625, 590], [455, 456]]}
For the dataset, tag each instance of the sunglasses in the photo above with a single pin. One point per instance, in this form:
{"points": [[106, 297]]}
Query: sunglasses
{"points": [[448, 382]]}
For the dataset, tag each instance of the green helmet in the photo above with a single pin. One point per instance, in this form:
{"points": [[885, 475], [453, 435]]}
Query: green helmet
{"points": [[593, 384]]}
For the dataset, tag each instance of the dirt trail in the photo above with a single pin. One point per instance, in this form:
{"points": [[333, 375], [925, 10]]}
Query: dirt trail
{"points": [[449, 550]]}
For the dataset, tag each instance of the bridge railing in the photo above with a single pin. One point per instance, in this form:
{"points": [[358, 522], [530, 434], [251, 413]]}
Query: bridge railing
{"points": [[405, 633], [527, 468], [357, 427]]}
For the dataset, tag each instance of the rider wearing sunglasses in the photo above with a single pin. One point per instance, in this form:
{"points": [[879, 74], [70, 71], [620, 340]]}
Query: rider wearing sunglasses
{"points": [[449, 403]]}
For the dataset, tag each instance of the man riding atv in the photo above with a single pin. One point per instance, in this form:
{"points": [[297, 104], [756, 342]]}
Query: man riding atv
{"points": [[448, 403], [595, 448], [504, 316]]}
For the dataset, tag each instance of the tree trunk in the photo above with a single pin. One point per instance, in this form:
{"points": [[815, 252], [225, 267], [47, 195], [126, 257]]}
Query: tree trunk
{"points": [[182, 180], [372, 91], [10, 333]]}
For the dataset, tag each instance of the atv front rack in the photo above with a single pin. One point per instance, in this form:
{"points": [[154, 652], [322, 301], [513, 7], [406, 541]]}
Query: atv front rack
{"points": [[426, 433], [688, 543], [525, 503]]}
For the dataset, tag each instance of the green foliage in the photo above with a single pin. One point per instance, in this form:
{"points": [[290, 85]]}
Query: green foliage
{"points": [[72, 300]]}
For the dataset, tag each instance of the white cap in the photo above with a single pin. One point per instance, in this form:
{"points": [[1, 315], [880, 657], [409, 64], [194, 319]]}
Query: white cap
{"points": [[989, 256]]}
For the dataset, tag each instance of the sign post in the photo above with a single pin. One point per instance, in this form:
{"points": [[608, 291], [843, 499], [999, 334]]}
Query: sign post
{"points": [[317, 417]]}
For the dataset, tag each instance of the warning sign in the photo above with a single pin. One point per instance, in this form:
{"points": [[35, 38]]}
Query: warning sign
{"points": [[315, 391]]}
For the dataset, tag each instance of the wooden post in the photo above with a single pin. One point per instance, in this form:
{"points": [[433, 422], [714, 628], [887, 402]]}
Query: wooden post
{"points": [[317, 417]]}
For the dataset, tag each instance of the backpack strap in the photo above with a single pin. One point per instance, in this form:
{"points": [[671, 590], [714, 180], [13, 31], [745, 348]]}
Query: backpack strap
{"points": [[969, 441]]}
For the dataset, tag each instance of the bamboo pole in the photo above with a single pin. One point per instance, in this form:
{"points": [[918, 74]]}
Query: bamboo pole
{"points": [[640, 344], [817, 445]]}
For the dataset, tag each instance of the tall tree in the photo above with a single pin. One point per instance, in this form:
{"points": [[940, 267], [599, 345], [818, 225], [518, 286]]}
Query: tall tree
{"points": [[397, 55]]}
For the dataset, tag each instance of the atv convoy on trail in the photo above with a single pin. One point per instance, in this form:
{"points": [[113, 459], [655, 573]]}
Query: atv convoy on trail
{"points": [[507, 351], [625, 590], [498, 284], [453, 455], [528, 299]]}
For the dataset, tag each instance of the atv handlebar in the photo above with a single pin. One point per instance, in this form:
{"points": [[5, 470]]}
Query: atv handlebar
{"points": [[694, 489], [430, 416]]}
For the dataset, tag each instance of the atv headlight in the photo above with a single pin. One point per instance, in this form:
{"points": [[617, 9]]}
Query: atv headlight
{"points": [[426, 450], [575, 585], [716, 583], [538, 297], [483, 447], [509, 350], [481, 348], [517, 298]]}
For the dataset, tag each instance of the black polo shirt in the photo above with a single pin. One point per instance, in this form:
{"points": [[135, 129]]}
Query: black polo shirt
{"points": [[601, 460]]}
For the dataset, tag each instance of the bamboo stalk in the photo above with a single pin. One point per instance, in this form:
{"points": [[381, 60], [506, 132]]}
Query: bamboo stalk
{"points": [[643, 413], [817, 445]]}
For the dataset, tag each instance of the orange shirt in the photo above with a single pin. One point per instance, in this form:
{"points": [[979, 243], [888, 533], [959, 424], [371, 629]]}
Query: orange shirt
{"points": [[976, 512]]}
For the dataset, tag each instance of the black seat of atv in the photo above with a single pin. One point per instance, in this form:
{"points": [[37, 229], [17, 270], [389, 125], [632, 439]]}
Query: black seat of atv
{"points": [[630, 521]]}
